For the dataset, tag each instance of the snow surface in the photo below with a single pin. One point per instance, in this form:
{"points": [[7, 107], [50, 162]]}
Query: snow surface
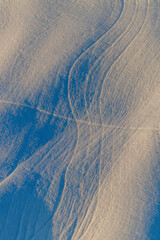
{"points": [[79, 119]]}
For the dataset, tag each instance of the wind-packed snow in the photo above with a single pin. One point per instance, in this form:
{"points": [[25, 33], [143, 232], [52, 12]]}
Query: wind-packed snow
{"points": [[79, 119]]}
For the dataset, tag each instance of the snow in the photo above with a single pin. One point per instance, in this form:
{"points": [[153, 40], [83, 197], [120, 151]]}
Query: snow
{"points": [[80, 120]]}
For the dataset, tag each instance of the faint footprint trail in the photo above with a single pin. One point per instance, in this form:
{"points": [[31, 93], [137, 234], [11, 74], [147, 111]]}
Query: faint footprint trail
{"points": [[79, 120]]}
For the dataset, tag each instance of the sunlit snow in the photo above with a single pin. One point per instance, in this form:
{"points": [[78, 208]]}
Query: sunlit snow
{"points": [[80, 119]]}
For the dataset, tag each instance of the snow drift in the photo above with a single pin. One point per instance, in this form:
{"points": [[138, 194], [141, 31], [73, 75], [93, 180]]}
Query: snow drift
{"points": [[80, 120]]}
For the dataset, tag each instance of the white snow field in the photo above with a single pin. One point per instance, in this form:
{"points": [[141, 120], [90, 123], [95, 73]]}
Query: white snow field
{"points": [[79, 119]]}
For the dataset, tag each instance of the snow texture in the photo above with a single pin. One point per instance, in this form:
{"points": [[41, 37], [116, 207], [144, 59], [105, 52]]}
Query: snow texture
{"points": [[79, 119]]}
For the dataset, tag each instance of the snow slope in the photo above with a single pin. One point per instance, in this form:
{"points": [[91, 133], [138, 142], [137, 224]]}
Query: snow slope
{"points": [[80, 119]]}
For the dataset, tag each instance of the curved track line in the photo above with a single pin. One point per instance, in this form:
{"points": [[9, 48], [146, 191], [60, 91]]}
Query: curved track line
{"points": [[107, 49], [77, 121], [110, 69]]}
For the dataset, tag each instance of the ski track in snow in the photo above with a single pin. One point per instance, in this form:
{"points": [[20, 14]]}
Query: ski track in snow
{"points": [[80, 119]]}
